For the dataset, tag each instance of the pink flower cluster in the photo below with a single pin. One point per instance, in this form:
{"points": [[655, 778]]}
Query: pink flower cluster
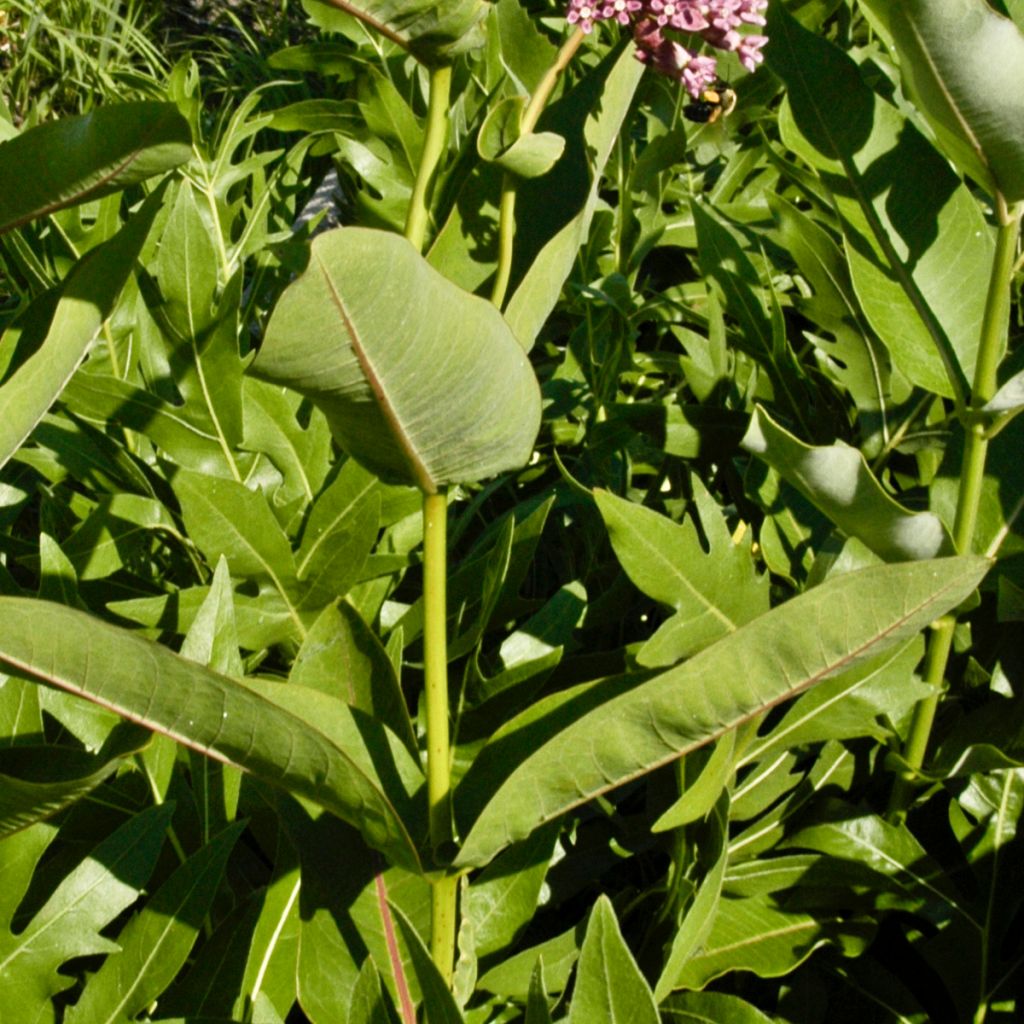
{"points": [[716, 22]]}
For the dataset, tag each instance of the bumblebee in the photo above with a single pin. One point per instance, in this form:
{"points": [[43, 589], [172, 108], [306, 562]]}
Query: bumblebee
{"points": [[713, 104]]}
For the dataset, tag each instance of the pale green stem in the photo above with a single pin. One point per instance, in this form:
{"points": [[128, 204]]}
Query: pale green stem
{"points": [[434, 140], [507, 213], [435, 671], [444, 888], [972, 476]]}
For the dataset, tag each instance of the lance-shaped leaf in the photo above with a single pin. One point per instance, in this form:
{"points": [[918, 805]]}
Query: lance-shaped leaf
{"points": [[964, 66], [80, 158], [155, 943], [838, 482], [420, 381], [48, 352], [211, 713], [919, 250], [609, 985], [583, 742], [434, 32]]}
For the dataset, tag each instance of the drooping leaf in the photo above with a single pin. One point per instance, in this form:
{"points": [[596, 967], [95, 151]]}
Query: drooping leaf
{"points": [[149, 684], [564, 750], [753, 934], [837, 481], [76, 159], [421, 382], [501, 141], [43, 364], [38, 781]]}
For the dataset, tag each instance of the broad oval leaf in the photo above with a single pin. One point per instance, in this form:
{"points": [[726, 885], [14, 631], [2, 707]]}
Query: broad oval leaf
{"points": [[149, 684], [964, 64], [420, 381], [579, 744], [433, 32], [80, 158]]}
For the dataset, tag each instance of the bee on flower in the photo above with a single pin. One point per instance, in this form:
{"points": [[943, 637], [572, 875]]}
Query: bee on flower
{"points": [[714, 22]]}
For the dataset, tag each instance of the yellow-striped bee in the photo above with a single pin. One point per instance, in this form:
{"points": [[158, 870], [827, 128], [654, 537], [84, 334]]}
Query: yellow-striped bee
{"points": [[713, 104]]}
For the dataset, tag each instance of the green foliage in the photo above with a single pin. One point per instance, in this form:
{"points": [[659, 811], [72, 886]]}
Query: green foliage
{"points": [[726, 723]]}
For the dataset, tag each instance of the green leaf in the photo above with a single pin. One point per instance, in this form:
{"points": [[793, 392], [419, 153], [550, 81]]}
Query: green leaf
{"points": [[697, 922], [526, 52], [334, 563], [501, 902], [367, 1005], [501, 141], [837, 481], [345, 914], [919, 250], [69, 923], [891, 851], [218, 716], [964, 64], [537, 1009], [514, 977], [438, 1000], [753, 934], [549, 233], [227, 519], [76, 159], [713, 591], [342, 657], [1009, 397], [273, 950], [434, 32], [856, 358], [38, 781], [581, 743], [609, 985], [710, 1008], [421, 382], [156, 942], [44, 363], [848, 705], [700, 795]]}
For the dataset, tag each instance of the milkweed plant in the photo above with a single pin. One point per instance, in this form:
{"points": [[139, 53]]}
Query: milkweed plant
{"points": [[491, 534]]}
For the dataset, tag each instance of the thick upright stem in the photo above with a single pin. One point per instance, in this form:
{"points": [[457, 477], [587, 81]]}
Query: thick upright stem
{"points": [[434, 139], [507, 212], [972, 476], [435, 658]]}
